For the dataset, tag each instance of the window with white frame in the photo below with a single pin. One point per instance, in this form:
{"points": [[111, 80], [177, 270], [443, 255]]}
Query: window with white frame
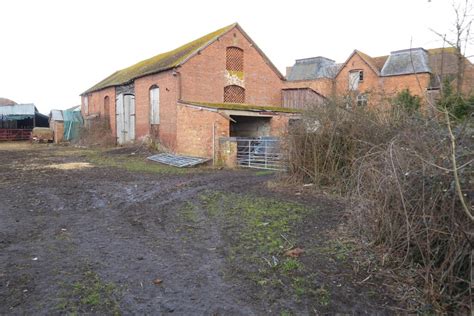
{"points": [[362, 99], [355, 76], [86, 104], [154, 104]]}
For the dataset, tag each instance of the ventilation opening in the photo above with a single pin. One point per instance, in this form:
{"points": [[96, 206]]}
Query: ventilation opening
{"points": [[234, 94], [234, 59]]}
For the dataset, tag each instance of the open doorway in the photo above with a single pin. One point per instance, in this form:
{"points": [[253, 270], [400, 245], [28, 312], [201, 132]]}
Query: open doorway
{"points": [[249, 126]]}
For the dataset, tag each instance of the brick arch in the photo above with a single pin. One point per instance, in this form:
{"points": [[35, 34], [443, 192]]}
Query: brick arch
{"points": [[234, 94]]}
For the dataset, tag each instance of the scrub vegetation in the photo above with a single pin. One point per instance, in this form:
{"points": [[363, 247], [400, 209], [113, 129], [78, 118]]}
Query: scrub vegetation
{"points": [[407, 175]]}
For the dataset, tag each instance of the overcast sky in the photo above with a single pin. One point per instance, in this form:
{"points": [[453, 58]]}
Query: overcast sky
{"points": [[51, 51]]}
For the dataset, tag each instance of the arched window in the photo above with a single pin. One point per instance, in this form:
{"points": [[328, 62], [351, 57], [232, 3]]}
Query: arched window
{"points": [[86, 105], [234, 94], [154, 104], [107, 107], [234, 59]]}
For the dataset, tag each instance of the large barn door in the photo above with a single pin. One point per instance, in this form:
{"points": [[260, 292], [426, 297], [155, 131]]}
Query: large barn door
{"points": [[125, 110]]}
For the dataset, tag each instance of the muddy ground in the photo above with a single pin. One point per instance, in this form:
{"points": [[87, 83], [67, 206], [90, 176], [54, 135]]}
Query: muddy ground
{"points": [[106, 232]]}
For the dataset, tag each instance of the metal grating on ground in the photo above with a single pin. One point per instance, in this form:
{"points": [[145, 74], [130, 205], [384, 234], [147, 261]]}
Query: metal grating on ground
{"points": [[177, 160]]}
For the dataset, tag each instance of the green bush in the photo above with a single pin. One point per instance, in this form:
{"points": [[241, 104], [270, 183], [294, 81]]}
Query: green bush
{"points": [[408, 102], [457, 105]]}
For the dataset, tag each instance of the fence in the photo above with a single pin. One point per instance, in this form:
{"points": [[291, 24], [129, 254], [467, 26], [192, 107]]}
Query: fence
{"points": [[14, 134], [260, 153]]}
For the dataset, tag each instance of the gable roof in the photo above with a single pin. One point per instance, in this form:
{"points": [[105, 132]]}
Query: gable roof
{"points": [[366, 58], [379, 61], [407, 61], [171, 59], [161, 62]]}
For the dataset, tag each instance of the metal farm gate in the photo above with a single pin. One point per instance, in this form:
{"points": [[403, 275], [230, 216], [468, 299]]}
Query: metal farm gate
{"points": [[260, 153]]}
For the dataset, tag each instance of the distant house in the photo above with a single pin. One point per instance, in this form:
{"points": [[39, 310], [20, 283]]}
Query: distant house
{"points": [[366, 80], [18, 120], [219, 85]]}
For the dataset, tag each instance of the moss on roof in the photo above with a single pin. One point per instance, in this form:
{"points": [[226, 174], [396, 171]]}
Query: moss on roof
{"points": [[244, 107], [369, 60], [439, 50], [160, 62]]}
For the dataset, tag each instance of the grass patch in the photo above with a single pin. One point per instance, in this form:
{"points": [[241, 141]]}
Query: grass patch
{"points": [[90, 294], [341, 250], [133, 163], [323, 295], [258, 231], [262, 222], [290, 265], [188, 213]]}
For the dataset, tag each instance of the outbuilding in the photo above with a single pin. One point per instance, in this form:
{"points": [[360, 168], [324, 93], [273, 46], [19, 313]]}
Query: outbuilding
{"points": [[18, 120], [219, 85]]}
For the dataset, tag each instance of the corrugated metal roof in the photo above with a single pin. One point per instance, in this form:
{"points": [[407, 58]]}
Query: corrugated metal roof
{"points": [[408, 61], [312, 68], [18, 109], [56, 115]]}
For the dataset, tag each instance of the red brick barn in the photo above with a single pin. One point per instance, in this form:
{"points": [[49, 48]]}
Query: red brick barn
{"points": [[219, 85]]}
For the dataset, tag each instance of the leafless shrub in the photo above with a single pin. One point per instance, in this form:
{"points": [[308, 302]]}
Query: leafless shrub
{"points": [[97, 133], [397, 170]]}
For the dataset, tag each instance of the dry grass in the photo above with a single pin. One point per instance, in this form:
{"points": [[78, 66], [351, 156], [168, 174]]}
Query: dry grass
{"points": [[71, 165], [98, 134], [396, 169]]}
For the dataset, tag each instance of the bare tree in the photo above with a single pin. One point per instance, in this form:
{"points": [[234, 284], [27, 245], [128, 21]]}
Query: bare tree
{"points": [[460, 36]]}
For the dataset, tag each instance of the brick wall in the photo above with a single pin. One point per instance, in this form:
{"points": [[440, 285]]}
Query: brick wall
{"points": [[58, 129], [417, 84], [204, 76], [279, 125], [96, 105], [195, 131], [379, 89], [166, 130], [371, 79], [322, 85], [202, 79]]}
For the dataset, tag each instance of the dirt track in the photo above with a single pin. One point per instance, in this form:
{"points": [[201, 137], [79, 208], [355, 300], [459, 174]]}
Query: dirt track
{"points": [[95, 239]]}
